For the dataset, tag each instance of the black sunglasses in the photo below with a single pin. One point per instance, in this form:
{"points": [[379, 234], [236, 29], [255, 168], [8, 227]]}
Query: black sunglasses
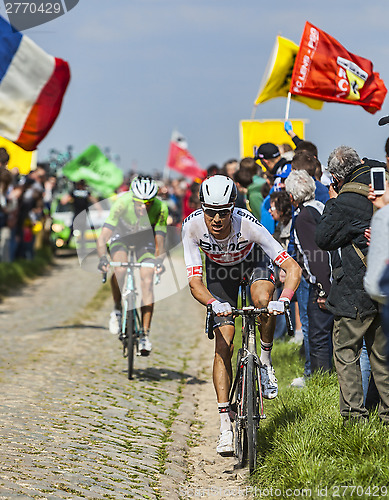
{"points": [[210, 212]]}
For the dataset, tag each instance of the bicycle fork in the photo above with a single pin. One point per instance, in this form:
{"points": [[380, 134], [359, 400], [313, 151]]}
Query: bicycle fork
{"points": [[128, 301]]}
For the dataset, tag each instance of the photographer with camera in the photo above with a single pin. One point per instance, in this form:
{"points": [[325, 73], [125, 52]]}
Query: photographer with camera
{"points": [[342, 226], [377, 276]]}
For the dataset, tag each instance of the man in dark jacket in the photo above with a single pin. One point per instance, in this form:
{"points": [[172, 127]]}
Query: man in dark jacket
{"points": [[345, 218]]}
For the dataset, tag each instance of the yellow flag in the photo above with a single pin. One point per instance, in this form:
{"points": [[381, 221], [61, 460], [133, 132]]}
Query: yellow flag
{"points": [[18, 157], [253, 133], [276, 80]]}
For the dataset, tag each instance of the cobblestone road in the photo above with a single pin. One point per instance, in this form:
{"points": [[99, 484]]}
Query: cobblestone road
{"points": [[71, 424]]}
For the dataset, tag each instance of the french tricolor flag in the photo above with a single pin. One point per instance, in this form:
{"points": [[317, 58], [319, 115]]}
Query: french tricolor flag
{"points": [[32, 86]]}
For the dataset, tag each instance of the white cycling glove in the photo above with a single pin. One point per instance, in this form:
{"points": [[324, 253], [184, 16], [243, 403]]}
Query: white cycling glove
{"points": [[221, 307], [277, 306]]}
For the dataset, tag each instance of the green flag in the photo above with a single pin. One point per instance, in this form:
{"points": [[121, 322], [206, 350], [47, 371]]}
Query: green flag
{"points": [[97, 171]]}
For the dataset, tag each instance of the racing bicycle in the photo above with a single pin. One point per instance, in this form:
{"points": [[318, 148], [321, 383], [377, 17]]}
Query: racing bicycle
{"points": [[246, 399], [130, 329]]}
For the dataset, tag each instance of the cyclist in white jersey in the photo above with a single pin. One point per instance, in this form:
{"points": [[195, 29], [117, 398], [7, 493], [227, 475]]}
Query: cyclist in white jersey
{"points": [[235, 245]]}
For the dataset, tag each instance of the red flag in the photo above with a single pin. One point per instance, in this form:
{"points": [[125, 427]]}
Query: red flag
{"points": [[325, 70], [182, 161]]}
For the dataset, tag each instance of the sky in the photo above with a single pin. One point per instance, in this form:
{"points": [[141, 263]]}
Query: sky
{"points": [[143, 68]]}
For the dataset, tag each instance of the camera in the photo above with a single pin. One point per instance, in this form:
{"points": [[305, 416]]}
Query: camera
{"points": [[335, 185]]}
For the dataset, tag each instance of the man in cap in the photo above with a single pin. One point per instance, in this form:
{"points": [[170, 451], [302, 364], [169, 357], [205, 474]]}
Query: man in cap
{"points": [[271, 159]]}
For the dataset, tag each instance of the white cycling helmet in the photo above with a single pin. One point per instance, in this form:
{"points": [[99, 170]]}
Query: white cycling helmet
{"points": [[144, 188], [218, 190]]}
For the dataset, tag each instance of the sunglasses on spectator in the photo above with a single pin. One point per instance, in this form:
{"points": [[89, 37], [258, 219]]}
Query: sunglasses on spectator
{"points": [[223, 212]]}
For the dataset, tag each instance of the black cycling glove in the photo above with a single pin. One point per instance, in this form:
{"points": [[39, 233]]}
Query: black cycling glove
{"points": [[104, 262], [159, 265]]}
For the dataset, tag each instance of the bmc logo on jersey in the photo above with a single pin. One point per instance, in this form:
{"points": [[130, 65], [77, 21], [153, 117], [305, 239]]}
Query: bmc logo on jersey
{"points": [[214, 247], [193, 214]]}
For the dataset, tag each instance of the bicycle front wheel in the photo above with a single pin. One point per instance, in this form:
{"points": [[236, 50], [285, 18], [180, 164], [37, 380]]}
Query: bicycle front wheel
{"points": [[238, 404], [130, 342], [252, 412]]}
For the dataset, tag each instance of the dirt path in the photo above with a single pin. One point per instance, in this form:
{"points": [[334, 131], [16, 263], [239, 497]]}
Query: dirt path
{"points": [[73, 426], [210, 475]]}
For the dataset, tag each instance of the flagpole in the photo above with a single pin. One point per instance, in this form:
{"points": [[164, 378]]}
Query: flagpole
{"points": [[166, 173], [253, 112], [287, 106]]}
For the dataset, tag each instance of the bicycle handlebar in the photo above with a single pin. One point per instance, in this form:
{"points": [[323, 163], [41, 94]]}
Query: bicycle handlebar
{"points": [[250, 310], [209, 322], [132, 264]]}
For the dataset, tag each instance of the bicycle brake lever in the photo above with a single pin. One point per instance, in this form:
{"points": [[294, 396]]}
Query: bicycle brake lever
{"points": [[209, 322], [288, 319]]}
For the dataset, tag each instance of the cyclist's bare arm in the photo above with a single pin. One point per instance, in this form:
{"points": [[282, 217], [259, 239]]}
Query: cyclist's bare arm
{"points": [[159, 245], [101, 244], [159, 252], [199, 291], [293, 274], [291, 283]]}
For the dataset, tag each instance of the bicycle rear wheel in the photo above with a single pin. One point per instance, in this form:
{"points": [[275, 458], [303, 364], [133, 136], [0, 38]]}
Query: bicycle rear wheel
{"points": [[130, 342], [252, 412]]}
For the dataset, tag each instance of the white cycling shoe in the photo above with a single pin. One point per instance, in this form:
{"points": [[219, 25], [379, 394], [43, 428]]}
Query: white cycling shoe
{"points": [[144, 345], [269, 382], [225, 447], [115, 321]]}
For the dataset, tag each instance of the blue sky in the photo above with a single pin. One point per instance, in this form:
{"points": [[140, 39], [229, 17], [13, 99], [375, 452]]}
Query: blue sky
{"points": [[141, 68]]}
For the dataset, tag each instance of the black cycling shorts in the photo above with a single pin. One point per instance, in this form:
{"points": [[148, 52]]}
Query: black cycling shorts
{"points": [[143, 241], [223, 281]]}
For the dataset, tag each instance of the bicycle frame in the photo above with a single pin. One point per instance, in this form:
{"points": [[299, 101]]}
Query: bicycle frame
{"points": [[246, 398], [131, 320], [129, 304]]}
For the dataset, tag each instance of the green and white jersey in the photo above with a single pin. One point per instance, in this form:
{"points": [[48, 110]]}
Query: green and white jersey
{"points": [[123, 219]]}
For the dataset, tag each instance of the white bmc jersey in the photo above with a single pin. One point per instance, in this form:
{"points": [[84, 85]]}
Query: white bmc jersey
{"points": [[246, 231]]}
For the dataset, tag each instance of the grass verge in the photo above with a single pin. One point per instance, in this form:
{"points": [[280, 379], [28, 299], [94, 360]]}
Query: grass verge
{"points": [[304, 446], [14, 274]]}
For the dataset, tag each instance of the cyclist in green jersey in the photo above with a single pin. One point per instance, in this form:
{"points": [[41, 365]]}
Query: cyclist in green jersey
{"points": [[137, 218]]}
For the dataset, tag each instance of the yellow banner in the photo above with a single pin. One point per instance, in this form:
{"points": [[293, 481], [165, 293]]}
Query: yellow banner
{"points": [[18, 157], [253, 133], [276, 80]]}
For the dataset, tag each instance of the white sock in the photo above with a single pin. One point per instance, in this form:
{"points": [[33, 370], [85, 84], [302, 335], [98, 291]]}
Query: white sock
{"points": [[225, 422], [266, 353]]}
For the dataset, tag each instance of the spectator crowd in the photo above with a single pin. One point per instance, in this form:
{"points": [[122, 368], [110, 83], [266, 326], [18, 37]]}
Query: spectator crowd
{"points": [[327, 218]]}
